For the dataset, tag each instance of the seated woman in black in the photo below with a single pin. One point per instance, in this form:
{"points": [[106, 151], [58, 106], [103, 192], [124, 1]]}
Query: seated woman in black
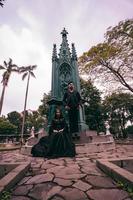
{"points": [[58, 143], [61, 144], [40, 149]]}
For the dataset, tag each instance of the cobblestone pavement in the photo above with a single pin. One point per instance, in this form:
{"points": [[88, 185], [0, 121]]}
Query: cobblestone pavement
{"points": [[67, 178]]}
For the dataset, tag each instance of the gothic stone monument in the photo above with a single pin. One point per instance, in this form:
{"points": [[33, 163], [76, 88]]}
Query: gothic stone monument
{"points": [[64, 70]]}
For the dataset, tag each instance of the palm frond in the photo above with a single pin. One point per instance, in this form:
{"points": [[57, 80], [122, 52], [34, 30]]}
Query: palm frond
{"points": [[5, 63], [1, 67], [32, 74], [24, 75], [22, 69], [34, 67], [10, 62], [15, 66], [15, 70], [1, 4]]}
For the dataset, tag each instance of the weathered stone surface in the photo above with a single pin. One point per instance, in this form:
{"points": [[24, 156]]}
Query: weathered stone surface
{"points": [[35, 165], [81, 150], [56, 197], [56, 169], [59, 161], [85, 163], [20, 198], [53, 191], [99, 181], [47, 165], [73, 194], [69, 173], [82, 185], [72, 176], [83, 159], [40, 178], [38, 171], [22, 190], [40, 191], [63, 182], [91, 171], [24, 180], [109, 194], [65, 168]]}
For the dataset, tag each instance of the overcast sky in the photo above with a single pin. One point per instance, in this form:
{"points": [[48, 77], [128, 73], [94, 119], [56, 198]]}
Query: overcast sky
{"points": [[28, 29]]}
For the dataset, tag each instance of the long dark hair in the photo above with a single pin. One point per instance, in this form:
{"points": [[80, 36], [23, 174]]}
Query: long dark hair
{"points": [[59, 109]]}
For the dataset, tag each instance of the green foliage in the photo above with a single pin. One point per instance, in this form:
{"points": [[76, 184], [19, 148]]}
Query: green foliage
{"points": [[129, 130], [34, 119], [7, 128], [43, 108], [98, 55], [16, 119], [93, 107], [112, 60], [6, 195], [119, 110], [125, 187], [122, 33]]}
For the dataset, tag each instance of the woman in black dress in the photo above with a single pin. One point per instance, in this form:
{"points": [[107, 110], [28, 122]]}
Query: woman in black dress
{"points": [[58, 143]]}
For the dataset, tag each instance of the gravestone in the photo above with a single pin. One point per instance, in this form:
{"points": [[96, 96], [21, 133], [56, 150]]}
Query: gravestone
{"points": [[64, 70]]}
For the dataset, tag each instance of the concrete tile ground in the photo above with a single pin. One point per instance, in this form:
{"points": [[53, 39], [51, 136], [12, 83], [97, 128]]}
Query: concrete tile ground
{"points": [[67, 178]]}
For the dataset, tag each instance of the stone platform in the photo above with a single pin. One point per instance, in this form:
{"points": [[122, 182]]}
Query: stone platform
{"points": [[89, 142]]}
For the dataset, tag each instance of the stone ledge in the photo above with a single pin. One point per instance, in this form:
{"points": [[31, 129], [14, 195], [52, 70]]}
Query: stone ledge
{"points": [[14, 176], [116, 172]]}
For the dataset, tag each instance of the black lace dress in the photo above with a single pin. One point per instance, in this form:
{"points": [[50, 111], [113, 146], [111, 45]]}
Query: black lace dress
{"points": [[57, 144]]}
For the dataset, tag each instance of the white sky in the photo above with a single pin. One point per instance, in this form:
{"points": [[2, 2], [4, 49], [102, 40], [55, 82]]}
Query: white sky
{"points": [[28, 29]]}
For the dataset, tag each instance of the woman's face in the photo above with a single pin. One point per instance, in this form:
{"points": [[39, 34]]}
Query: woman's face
{"points": [[58, 113], [71, 86]]}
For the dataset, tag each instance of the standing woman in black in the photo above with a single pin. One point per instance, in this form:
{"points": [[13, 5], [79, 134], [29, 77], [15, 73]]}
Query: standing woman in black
{"points": [[72, 101]]}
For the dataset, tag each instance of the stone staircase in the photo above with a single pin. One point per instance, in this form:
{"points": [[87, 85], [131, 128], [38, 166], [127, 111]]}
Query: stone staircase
{"points": [[89, 142]]}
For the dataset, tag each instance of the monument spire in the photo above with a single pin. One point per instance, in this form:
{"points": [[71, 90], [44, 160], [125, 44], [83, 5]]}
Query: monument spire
{"points": [[54, 55], [64, 70], [64, 54], [64, 33], [74, 54]]}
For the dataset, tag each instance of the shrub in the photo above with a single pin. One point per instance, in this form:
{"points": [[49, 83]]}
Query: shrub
{"points": [[129, 130], [7, 128]]}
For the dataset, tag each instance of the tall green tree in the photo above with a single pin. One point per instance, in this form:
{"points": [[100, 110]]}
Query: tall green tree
{"points": [[8, 68], [93, 107], [112, 60], [6, 128], [27, 72], [43, 108], [34, 119], [15, 118], [119, 110]]}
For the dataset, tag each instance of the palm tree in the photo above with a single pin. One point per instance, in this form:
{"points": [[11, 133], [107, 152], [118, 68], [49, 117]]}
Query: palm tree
{"points": [[27, 71], [1, 3], [9, 67]]}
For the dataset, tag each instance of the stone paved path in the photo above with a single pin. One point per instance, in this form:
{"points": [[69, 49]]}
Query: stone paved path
{"points": [[67, 178]]}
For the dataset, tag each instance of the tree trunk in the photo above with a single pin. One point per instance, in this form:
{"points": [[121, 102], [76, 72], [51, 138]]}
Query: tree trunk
{"points": [[26, 95], [2, 97]]}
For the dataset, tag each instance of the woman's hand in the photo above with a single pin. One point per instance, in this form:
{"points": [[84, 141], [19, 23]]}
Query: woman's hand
{"points": [[61, 130], [55, 131], [67, 107]]}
